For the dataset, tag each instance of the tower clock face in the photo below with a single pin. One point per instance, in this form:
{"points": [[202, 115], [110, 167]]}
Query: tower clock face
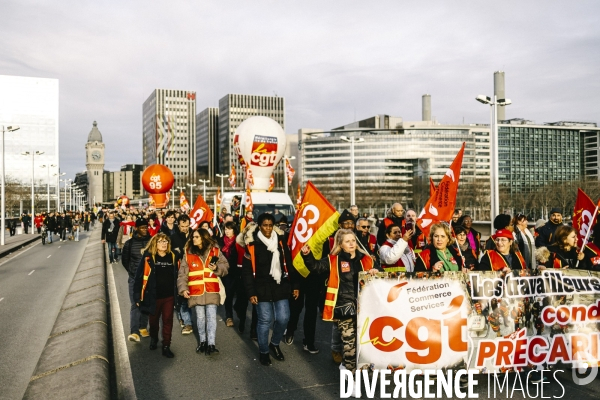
{"points": [[96, 155]]}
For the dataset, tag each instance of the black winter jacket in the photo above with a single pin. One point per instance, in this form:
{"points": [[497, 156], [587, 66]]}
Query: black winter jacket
{"points": [[546, 234], [263, 285], [110, 236], [148, 306], [178, 241], [132, 252]]}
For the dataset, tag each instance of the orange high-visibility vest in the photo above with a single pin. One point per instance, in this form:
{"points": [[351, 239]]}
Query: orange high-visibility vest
{"points": [[498, 262], [333, 284], [253, 259], [200, 277], [148, 271], [397, 267]]}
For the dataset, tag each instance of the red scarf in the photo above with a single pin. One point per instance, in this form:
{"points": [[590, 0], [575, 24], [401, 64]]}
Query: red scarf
{"points": [[228, 243]]}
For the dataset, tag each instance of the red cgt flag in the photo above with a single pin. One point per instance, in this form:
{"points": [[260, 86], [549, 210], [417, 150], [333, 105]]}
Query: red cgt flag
{"points": [[200, 213], [183, 203], [232, 176], [441, 205], [583, 216]]}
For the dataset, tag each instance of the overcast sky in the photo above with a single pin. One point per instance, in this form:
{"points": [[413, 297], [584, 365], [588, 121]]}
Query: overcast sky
{"points": [[330, 60]]}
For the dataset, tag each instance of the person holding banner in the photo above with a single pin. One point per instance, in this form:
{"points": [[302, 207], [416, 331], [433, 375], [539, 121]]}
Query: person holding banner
{"points": [[342, 265], [269, 278], [503, 258], [563, 252], [440, 255]]}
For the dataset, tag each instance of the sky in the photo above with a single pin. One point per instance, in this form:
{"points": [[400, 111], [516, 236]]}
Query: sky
{"points": [[334, 62]]}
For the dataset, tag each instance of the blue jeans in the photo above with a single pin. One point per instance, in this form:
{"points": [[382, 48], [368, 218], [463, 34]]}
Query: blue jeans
{"points": [[137, 320], [184, 312], [279, 311], [206, 318], [337, 344], [112, 251]]}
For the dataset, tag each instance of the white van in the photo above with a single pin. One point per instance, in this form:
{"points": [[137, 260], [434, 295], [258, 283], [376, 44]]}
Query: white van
{"points": [[271, 202]]}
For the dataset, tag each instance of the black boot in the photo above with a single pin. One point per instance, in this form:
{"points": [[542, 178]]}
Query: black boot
{"points": [[153, 344], [242, 325], [265, 359], [211, 350], [167, 352], [276, 352], [201, 348]]}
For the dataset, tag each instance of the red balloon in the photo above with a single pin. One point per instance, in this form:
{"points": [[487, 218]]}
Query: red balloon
{"points": [[157, 178]]}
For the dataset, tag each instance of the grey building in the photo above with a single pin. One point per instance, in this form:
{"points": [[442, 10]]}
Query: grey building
{"points": [[233, 110], [127, 181], [207, 145], [169, 131]]}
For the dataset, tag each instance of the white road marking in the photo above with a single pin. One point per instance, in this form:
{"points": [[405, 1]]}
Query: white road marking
{"points": [[59, 247], [2, 299], [31, 272], [18, 254], [49, 256]]}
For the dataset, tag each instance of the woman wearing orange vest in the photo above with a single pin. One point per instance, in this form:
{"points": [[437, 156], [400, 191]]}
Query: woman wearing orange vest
{"points": [[198, 282], [343, 264], [503, 258], [154, 289]]}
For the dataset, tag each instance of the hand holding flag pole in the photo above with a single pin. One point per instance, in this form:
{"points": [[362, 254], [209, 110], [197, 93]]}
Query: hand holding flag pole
{"points": [[589, 230]]}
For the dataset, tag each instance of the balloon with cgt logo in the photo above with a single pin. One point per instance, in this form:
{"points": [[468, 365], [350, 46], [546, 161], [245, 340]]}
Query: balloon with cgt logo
{"points": [[158, 180]]}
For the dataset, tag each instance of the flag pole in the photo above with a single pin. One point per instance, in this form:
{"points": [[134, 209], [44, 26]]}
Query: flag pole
{"points": [[587, 234], [457, 245]]}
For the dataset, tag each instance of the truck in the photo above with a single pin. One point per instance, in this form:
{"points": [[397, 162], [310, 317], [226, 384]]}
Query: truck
{"points": [[278, 204]]}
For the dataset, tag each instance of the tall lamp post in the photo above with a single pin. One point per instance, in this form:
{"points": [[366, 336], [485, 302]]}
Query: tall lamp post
{"points": [[352, 140], [32, 154], [495, 193], [222, 177], [286, 181], [48, 185], [11, 128], [204, 182], [192, 185], [66, 181], [58, 180]]}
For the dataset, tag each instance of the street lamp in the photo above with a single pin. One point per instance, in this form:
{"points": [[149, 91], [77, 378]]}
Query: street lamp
{"points": [[58, 180], [204, 182], [191, 185], [11, 128], [352, 140], [495, 194], [286, 181], [222, 177], [48, 184], [33, 154]]}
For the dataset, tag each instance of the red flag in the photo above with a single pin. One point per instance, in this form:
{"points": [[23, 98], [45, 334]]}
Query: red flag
{"points": [[248, 205], [232, 176], [219, 198], [271, 182], [201, 212], [583, 216], [249, 177], [431, 187], [183, 203], [440, 206], [315, 220], [289, 171], [298, 197]]}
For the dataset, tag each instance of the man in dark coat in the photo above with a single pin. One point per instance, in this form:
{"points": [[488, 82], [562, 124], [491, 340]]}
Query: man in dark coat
{"points": [[179, 238], [50, 222], [546, 233], [110, 230], [130, 258]]}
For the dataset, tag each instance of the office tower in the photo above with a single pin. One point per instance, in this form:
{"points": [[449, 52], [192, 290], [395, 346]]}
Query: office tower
{"points": [[207, 145]]}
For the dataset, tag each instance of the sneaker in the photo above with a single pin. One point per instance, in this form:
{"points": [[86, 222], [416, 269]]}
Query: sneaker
{"points": [[336, 356], [166, 351], [229, 322], [288, 339], [187, 330], [134, 337], [276, 352], [311, 348], [144, 333], [181, 324], [211, 350]]}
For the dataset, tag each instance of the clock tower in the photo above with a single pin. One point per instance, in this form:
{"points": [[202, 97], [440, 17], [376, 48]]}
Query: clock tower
{"points": [[94, 162]]}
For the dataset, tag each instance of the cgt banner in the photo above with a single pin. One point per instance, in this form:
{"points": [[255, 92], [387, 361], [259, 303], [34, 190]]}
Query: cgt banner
{"points": [[488, 321]]}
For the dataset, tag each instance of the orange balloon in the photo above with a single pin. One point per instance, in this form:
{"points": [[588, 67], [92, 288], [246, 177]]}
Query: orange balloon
{"points": [[157, 178]]}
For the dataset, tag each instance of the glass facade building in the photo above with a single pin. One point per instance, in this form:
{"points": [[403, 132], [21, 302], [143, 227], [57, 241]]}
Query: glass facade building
{"points": [[32, 104], [207, 146]]}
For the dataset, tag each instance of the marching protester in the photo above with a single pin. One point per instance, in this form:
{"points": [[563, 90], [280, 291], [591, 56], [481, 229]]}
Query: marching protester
{"points": [[201, 267], [342, 266], [179, 238], [563, 252], [503, 257], [394, 216], [466, 251], [168, 224], [502, 221], [38, 221], [364, 236], [130, 258], [110, 231], [395, 253], [417, 241], [546, 233], [232, 281], [591, 252], [206, 226], [524, 239], [269, 277], [154, 289], [153, 227], [50, 222], [345, 221], [354, 211], [473, 236], [439, 255]]}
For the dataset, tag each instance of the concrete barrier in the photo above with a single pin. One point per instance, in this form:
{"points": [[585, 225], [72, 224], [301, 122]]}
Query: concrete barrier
{"points": [[75, 361]]}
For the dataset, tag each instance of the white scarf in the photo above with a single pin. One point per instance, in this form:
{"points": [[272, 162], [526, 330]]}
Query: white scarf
{"points": [[272, 246]]}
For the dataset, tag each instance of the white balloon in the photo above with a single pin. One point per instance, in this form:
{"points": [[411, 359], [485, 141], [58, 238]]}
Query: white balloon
{"points": [[261, 142]]}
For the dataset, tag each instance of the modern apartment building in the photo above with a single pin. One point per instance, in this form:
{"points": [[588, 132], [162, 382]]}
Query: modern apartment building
{"points": [[169, 130], [207, 145], [127, 181], [233, 110]]}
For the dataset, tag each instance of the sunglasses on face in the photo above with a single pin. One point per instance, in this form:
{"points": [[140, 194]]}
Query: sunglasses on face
{"points": [[363, 226]]}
